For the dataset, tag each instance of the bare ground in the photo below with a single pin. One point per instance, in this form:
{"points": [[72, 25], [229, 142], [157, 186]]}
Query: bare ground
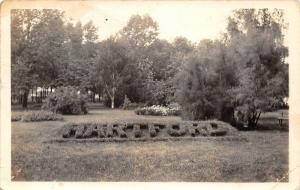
{"points": [[263, 158]]}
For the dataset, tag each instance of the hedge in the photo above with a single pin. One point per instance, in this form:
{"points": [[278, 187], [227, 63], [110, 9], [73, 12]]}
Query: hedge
{"points": [[40, 116]]}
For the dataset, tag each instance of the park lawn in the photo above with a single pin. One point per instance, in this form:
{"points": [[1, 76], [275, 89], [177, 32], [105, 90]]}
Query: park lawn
{"points": [[263, 158]]}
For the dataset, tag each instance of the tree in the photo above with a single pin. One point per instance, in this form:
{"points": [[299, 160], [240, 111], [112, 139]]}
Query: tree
{"points": [[263, 74], [200, 89], [140, 31], [245, 70], [140, 38], [112, 59], [47, 47], [21, 27], [82, 50], [159, 53], [90, 49], [37, 48], [181, 48]]}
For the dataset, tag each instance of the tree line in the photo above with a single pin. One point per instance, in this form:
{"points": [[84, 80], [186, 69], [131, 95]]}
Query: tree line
{"points": [[244, 70]]}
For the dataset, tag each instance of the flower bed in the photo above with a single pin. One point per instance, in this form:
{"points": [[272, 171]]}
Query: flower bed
{"points": [[158, 111], [147, 131], [36, 116]]}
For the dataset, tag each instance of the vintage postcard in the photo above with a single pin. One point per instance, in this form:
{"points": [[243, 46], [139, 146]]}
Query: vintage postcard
{"points": [[150, 94]]}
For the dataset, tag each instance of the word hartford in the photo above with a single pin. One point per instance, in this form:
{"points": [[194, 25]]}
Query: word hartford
{"points": [[138, 130]]}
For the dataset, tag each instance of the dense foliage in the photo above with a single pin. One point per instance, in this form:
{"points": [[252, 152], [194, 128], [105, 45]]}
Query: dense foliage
{"points": [[243, 72], [233, 78], [66, 100]]}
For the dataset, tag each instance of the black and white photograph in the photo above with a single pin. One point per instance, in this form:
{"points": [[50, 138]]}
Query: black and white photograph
{"points": [[149, 91]]}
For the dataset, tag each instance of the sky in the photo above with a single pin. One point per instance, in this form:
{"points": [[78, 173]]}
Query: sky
{"points": [[193, 20]]}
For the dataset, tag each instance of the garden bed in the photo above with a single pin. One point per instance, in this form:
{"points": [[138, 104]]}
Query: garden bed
{"points": [[34, 116], [157, 110], [204, 158], [143, 131]]}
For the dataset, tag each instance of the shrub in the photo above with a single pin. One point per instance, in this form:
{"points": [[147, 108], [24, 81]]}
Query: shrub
{"points": [[147, 130], [120, 131], [100, 131], [109, 131], [192, 131], [93, 130], [69, 129], [16, 116], [41, 116], [174, 109], [79, 132], [152, 130], [174, 105], [176, 130], [66, 100], [127, 104], [137, 131], [200, 89], [90, 131], [158, 111]]}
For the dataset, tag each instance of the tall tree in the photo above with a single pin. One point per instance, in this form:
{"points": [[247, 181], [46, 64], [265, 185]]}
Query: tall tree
{"points": [[245, 70], [37, 48], [82, 51], [138, 36], [201, 89], [90, 49], [140, 31], [112, 59], [255, 42]]}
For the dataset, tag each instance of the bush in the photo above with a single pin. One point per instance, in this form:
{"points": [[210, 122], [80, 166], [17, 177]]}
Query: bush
{"points": [[137, 131], [146, 130], [158, 111], [177, 130], [16, 116], [41, 116], [200, 90], [127, 104], [152, 130], [66, 100]]}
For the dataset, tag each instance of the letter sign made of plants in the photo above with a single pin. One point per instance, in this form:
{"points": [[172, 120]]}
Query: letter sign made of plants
{"points": [[145, 131]]}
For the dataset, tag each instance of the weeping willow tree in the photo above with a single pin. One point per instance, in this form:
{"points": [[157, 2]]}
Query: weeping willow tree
{"points": [[256, 43], [245, 70]]}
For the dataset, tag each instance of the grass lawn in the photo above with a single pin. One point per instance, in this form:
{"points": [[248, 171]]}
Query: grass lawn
{"points": [[263, 158]]}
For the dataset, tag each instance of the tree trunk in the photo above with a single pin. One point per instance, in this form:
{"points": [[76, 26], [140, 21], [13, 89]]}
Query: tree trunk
{"points": [[113, 98], [36, 95], [20, 98], [25, 99], [32, 95], [112, 102], [93, 99]]}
